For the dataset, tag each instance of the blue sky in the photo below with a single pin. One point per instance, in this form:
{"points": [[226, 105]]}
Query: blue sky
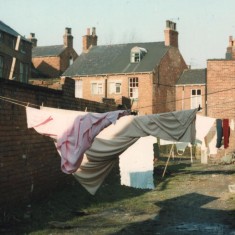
{"points": [[204, 26]]}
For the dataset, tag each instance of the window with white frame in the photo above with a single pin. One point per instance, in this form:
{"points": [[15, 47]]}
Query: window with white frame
{"points": [[78, 89], [1, 67], [97, 88], [114, 87], [135, 57], [196, 98], [134, 87]]}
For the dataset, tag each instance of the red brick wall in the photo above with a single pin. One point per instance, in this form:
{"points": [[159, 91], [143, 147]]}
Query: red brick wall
{"points": [[29, 162], [221, 88], [221, 92], [65, 58], [49, 66], [53, 83], [54, 66], [143, 104], [171, 67]]}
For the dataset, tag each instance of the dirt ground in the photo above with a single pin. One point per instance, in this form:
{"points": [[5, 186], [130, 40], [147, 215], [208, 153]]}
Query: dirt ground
{"points": [[190, 199]]}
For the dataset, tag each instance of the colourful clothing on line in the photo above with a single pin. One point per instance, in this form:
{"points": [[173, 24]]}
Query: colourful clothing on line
{"points": [[219, 130], [226, 132], [73, 134]]}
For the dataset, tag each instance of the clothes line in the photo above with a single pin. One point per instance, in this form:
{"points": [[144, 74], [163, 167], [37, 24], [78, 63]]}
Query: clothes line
{"points": [[18, 102], [78, 158]]}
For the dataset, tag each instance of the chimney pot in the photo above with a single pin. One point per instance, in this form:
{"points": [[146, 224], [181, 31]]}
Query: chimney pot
{"points": [[32, 39], [230, 44], [93, 31], [68, 38], [68, 30], [89, 40], [32, 35], [167, 24]]}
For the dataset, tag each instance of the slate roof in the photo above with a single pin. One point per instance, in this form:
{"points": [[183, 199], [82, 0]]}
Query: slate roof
{"points": [[43, 51], [192, 76], [113, 59], [7, 29]]}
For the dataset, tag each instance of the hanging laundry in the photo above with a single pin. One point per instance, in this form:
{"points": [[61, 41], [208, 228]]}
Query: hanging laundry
{"points": [[232, 124], [226, 132], [100, 158], [89, 146], [136, 164], [203, 126], [73, 133], [219, 130], [180, 147]]}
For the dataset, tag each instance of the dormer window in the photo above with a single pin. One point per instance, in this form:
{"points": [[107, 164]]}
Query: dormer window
{"points": [[137, 54]]}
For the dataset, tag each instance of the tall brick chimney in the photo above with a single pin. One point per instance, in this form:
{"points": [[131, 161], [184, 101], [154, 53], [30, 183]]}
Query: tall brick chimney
{"points": [[89, 40], [171, 35], [68, 38], [230, 53], [32, 39]]}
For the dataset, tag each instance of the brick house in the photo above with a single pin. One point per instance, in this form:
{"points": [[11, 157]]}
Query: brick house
{"points": [[15, 54], [191, 90], [221, 90], [52, 61], [145, 72], [214, 89]]}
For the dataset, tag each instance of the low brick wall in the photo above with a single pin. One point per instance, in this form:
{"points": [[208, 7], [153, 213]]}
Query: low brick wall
{"points": [[29, 162]]}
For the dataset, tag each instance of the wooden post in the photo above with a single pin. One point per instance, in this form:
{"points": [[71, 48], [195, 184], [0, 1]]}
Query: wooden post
{"points": [[168, 160]]}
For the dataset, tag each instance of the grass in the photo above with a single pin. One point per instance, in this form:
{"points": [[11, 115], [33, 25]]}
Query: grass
{"points": [[72, 210]]}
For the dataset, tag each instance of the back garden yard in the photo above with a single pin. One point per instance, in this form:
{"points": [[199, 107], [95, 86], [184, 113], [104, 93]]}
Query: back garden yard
{"points": [[190, 199]]}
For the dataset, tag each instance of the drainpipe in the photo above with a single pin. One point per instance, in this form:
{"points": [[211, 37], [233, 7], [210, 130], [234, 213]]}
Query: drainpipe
{"points": [[183, 99], [158, 75], [106, 88]]}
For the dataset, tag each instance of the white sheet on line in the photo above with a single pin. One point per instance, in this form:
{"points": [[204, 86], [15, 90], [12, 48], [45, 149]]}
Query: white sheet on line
{"points": [[136, 164]]}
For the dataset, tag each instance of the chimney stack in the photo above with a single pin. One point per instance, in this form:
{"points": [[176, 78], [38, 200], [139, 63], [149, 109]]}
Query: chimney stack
{"points": [[171, 35], [89, 39], [230, 53], [32, 39], [68, 38]]}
